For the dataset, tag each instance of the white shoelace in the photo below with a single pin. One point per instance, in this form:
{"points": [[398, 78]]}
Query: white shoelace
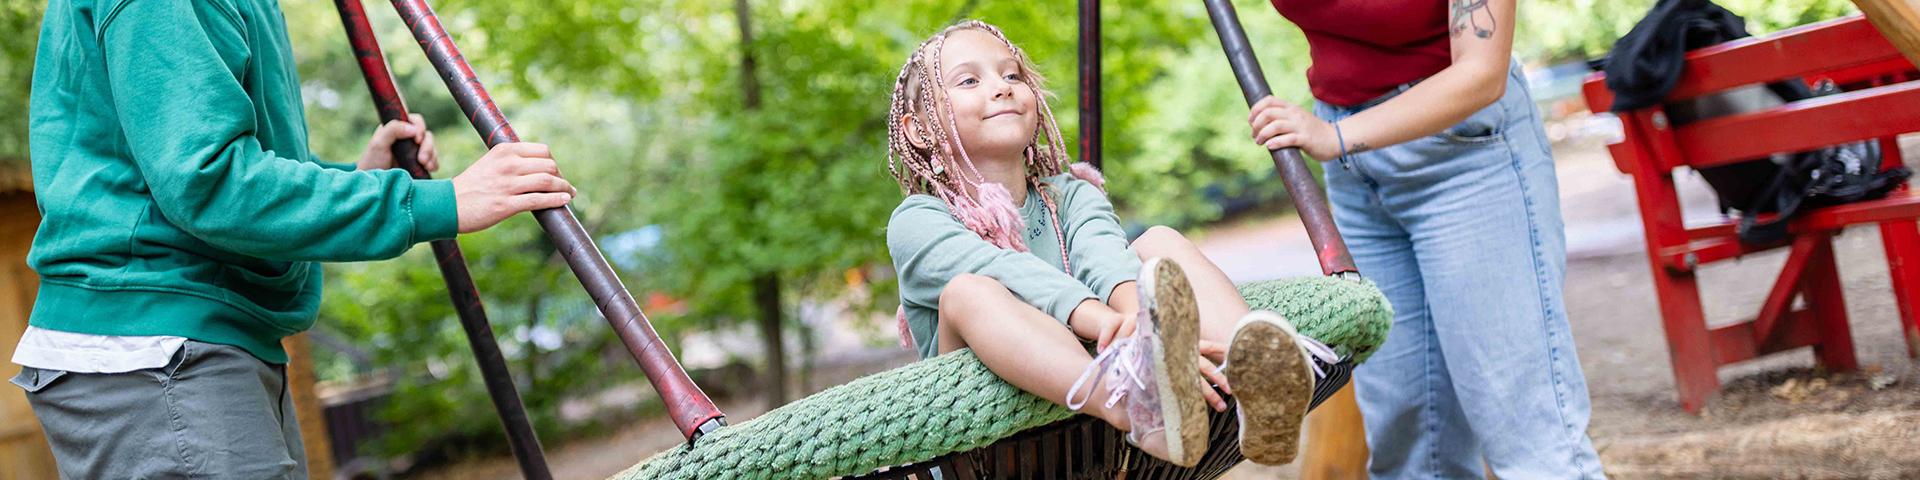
{"points": [[1319, 351], [1315, 350], [1112, 361]]}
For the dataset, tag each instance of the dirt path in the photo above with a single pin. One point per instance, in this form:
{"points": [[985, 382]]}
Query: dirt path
{"points": [[1776, 418]]}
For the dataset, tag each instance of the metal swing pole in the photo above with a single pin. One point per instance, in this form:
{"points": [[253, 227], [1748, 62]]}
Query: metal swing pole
{"points": [[1307, 197], [453, 264], [1090, 83], [690, 408]]}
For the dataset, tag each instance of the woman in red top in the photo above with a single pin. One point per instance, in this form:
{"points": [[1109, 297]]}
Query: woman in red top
{"points": [[1445, 193]]}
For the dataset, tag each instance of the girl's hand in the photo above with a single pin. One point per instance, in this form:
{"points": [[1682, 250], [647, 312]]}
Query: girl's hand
{"points": [[1116, 326], [1214, 352], [1277, 124], [1210, 355], [1119, 326]]}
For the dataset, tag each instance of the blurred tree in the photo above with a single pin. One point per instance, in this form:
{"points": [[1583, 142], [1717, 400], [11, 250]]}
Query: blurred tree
{"points": [[21, 20], [748, 214]]}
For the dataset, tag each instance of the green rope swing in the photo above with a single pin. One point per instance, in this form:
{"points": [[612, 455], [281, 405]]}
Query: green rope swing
{"points": [[952, 403]]}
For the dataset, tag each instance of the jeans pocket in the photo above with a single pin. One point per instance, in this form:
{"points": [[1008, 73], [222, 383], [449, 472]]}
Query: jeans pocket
{"points": [[35, 380], [1482, 128], [1486, 126], [1470, 140]]}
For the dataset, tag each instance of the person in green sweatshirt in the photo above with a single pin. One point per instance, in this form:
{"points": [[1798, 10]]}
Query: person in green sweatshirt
{"points": [[182, 216]]}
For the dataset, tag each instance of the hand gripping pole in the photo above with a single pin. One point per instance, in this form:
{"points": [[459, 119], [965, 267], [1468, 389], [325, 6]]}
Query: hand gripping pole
{"points": [[1308, 199], [689, 407], [453, 264]]}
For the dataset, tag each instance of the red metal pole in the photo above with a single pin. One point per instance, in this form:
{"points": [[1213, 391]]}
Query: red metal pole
{"points": [[453, 264], [690, 409], [1308, 199]]}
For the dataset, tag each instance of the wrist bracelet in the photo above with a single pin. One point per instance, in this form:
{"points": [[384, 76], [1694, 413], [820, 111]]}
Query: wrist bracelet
{"points": [[1342, 139]]}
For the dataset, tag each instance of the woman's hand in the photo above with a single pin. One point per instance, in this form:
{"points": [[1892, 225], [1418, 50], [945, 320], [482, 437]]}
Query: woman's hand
{"points": [[1278, 124]]}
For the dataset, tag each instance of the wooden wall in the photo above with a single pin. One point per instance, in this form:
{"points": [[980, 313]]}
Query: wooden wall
{"points": [[23, 450]]}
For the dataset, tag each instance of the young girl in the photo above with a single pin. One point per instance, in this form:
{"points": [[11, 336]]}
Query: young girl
{"points": [[999, 251]]}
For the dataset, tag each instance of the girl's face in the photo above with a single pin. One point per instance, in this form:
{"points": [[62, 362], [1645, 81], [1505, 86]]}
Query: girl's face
{"points": [[993, 108]]}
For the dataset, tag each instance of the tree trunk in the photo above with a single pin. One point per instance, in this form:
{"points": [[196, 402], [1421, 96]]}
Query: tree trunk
{"points": [[766, 295], [749, 84], [533, 354], [766, 287]]}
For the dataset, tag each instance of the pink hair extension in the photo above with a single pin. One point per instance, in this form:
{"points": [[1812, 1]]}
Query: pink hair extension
{"points": [[906, 334], [1085, 171]]}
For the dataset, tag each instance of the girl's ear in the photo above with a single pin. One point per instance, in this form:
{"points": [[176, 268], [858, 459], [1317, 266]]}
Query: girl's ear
{"points": [[910, 126]]}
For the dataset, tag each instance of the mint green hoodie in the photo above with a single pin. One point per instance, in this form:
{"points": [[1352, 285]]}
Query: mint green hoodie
{"points": [[929, 247], [177, 194]]}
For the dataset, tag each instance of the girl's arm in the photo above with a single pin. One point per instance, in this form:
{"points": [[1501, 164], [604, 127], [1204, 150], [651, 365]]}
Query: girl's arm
{"points": [[1482, 47], [1100, 254], [929, 247], [1102, 259]]}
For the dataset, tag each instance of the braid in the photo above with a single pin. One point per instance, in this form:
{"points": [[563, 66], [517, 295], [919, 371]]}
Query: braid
{"points": [[943, 169]]}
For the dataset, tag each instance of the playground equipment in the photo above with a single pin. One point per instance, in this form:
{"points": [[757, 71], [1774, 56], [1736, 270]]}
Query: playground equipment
{"points": [[453, 264], [907, 422]]}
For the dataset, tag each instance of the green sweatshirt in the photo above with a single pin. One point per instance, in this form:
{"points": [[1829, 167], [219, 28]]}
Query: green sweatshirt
{"points": [[930, 247], [176, 190]]}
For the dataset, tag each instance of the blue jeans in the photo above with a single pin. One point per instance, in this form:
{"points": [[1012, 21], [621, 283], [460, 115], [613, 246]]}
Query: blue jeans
{"points": [[1462, 231]]}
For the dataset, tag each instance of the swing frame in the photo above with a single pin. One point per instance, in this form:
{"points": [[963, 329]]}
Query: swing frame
{"points": [[1079, 447]]}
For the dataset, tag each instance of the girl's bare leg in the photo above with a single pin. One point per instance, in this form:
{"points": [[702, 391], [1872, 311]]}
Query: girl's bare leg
{"points": [[1021, 344], [1221, 305]]}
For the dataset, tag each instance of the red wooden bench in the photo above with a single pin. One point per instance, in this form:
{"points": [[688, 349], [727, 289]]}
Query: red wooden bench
{"points": [[1883, 102]]}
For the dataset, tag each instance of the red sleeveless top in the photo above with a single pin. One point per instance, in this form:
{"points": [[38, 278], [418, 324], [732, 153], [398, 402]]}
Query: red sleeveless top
{"points": [[1362, 49]]}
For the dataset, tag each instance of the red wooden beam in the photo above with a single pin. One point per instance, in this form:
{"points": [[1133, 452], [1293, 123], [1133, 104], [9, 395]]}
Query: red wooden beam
{"points": [[1789, 53], [1801, 125], [1718, 241], [1902, 204], [1780, 298], [1739, 342]]}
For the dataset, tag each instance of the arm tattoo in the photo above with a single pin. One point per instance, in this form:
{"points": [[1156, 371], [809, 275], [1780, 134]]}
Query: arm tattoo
{"points": [[1359, 147], [1470, 13]]}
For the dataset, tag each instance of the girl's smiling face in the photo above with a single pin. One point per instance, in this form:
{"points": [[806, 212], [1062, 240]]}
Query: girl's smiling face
{"points": [[994, 109]]}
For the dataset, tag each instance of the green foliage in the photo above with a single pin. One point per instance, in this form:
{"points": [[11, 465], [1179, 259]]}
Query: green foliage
{"points": [[641, 102], [397, 312], [21, 18]]}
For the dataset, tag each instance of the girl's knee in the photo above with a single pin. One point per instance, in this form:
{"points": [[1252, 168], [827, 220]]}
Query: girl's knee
{"points": [[1161, 241]]}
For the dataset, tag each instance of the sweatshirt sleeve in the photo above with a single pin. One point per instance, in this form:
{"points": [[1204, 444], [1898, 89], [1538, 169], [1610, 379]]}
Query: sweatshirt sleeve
{"points": [[930, 247], [190, 125], [1097, 247], [344, 167]]}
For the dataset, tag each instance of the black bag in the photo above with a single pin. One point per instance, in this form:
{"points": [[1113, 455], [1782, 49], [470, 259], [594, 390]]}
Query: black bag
{"points": [[1833, 175], [1739, 186]]}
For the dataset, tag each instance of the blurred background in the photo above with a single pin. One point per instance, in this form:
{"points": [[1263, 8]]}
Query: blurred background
{"points": [[754, 234]]}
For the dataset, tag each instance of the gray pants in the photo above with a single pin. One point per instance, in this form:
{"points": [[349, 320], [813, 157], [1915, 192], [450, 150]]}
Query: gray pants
{"points": [[213, 411]]}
